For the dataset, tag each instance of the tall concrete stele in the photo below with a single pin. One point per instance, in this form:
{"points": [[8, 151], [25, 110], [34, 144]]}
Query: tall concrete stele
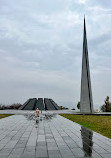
{"points": [[86, 102]]}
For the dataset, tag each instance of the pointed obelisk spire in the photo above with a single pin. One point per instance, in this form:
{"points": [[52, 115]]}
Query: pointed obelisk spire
{"points": [[86, 102]]}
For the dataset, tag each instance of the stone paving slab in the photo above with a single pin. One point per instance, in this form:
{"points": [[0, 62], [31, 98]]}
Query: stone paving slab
{"points": [[50, 136]]}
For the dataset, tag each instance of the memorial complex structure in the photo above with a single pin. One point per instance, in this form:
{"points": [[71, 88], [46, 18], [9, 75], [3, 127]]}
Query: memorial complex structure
{"points": [[40, 103], [86, 101]]}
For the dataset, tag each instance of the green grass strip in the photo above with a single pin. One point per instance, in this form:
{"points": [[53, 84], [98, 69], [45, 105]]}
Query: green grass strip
{"points": [[5, 115], [99, 124]]}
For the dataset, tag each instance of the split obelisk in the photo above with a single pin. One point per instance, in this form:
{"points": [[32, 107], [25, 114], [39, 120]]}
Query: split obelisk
{"points": [[86, 101]]}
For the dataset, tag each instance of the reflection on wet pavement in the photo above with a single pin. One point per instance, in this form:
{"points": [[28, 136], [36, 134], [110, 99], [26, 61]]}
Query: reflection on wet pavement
{"points": [[87, 136], [41, 117], [49, 136]]}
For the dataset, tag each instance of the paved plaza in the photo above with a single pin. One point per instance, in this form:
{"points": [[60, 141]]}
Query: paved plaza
{"points": [[50, 136]]}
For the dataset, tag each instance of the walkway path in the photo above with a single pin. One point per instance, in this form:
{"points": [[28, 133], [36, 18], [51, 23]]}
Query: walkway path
{"points": [[52, 137]]}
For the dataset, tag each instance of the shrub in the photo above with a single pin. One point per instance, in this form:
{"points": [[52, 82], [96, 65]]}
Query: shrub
{"points": [[106, 107]]}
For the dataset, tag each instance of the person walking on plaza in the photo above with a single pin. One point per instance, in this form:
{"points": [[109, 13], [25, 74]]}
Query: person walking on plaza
{"points": [[37, 112]]}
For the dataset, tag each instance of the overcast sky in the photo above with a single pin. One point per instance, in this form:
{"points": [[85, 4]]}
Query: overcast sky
{"points": [[41, 49]]}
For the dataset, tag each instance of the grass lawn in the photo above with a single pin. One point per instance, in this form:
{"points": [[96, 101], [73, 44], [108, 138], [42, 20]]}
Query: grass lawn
{"points": [[100, 124], [5, 115]]}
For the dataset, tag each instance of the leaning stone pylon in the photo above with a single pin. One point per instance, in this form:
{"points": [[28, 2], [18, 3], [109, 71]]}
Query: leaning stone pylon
{"points": [[86, 101]]}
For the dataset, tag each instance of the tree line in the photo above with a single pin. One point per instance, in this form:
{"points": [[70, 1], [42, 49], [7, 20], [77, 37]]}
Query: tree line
{"points": [[12, 106], [106, 107]]}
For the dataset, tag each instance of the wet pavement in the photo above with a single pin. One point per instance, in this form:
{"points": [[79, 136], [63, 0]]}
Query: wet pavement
{"points": [[22, 112], [49, 136]]}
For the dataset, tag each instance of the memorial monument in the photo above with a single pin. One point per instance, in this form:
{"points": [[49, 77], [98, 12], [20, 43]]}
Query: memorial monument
{"points": [[86, 101], [40, 103]]}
